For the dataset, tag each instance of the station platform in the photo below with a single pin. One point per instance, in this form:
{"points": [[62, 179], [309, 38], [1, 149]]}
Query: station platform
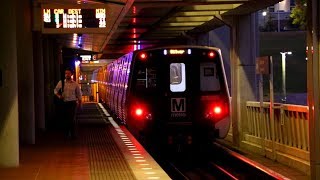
{"points": [[102, 151]]}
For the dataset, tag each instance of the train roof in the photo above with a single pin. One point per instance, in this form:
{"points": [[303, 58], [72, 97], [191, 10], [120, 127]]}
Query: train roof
{"points": [[165, 47], [178, 46]]}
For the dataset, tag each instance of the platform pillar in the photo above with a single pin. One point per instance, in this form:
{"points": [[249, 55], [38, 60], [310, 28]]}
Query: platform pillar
{"points": [[48, 85], [25, 72], [39, 81], [9, 128], [314, 87], [243, 78]]}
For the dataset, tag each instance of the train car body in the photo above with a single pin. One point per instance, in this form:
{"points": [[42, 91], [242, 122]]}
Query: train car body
{"points": [[169, 94]]}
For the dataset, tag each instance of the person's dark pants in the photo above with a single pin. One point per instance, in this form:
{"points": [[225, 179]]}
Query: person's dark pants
{"points": [[69, 117]]}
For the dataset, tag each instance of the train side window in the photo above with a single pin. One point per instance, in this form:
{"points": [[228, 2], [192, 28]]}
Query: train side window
{"points": [[209, 78], [177, 77]]}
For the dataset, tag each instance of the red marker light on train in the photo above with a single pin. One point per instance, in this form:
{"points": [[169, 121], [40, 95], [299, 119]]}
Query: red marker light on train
{"points": [[211, 54], [143, 56], [217, 110], [139, 112]]}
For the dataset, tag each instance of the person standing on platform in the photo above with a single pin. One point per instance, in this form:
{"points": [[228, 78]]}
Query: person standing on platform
{"points": [[71, 97]]}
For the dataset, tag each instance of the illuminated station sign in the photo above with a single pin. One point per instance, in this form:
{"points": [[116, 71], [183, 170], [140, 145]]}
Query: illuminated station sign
{"points": [[87, 58], [74, 18]]}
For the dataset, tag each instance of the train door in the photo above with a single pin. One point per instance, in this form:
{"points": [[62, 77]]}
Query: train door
{"points": [[179, 96]]}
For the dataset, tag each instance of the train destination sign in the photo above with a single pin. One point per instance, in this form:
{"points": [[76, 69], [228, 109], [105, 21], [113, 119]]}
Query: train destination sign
{"points": [[74, 18]]}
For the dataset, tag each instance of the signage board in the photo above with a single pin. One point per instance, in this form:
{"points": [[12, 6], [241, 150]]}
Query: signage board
{"points": [[75, 19], [262, 65], [86, 57]]}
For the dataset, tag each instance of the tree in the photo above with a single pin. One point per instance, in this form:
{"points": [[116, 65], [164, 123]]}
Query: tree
{"points": [[269, 25], [298, 13]]}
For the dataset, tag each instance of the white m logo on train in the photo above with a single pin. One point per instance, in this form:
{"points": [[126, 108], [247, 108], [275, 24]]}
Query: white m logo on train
{"points": [[178, 104]]}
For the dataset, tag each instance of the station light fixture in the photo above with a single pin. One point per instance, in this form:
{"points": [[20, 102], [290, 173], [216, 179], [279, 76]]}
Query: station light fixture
{"points": [[264, 13], [283, 62]]}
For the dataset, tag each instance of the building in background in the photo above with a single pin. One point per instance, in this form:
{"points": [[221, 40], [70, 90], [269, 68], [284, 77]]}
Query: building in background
{"points": [[277, 18]]}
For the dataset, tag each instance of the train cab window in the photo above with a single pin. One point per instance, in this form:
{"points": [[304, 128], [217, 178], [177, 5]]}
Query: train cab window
{"points": [[141, 74], [146, 78], [141, 78], [177, 77], [151, 78], [209, 78]]}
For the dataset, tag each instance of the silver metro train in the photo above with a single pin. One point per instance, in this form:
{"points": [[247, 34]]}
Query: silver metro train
{"points": [[168, 95]]}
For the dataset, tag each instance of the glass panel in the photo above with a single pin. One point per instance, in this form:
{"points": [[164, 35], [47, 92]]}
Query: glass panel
{"points": [[177, 77], [152, 78], [146, 78], [141, 77], [141, 74], [208, 71], [175, 73], [209, 78]]}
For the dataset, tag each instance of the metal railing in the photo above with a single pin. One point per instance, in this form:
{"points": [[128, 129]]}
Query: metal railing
{"points": [[291, 124]]}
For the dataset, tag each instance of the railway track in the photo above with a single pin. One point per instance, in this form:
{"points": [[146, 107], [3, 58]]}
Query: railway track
{"points": [[204, 171], [217, 162], [220, 163]]}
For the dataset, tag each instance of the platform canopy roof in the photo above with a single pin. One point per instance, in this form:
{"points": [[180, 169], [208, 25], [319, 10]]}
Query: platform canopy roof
{"points": [[153, 22]]}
